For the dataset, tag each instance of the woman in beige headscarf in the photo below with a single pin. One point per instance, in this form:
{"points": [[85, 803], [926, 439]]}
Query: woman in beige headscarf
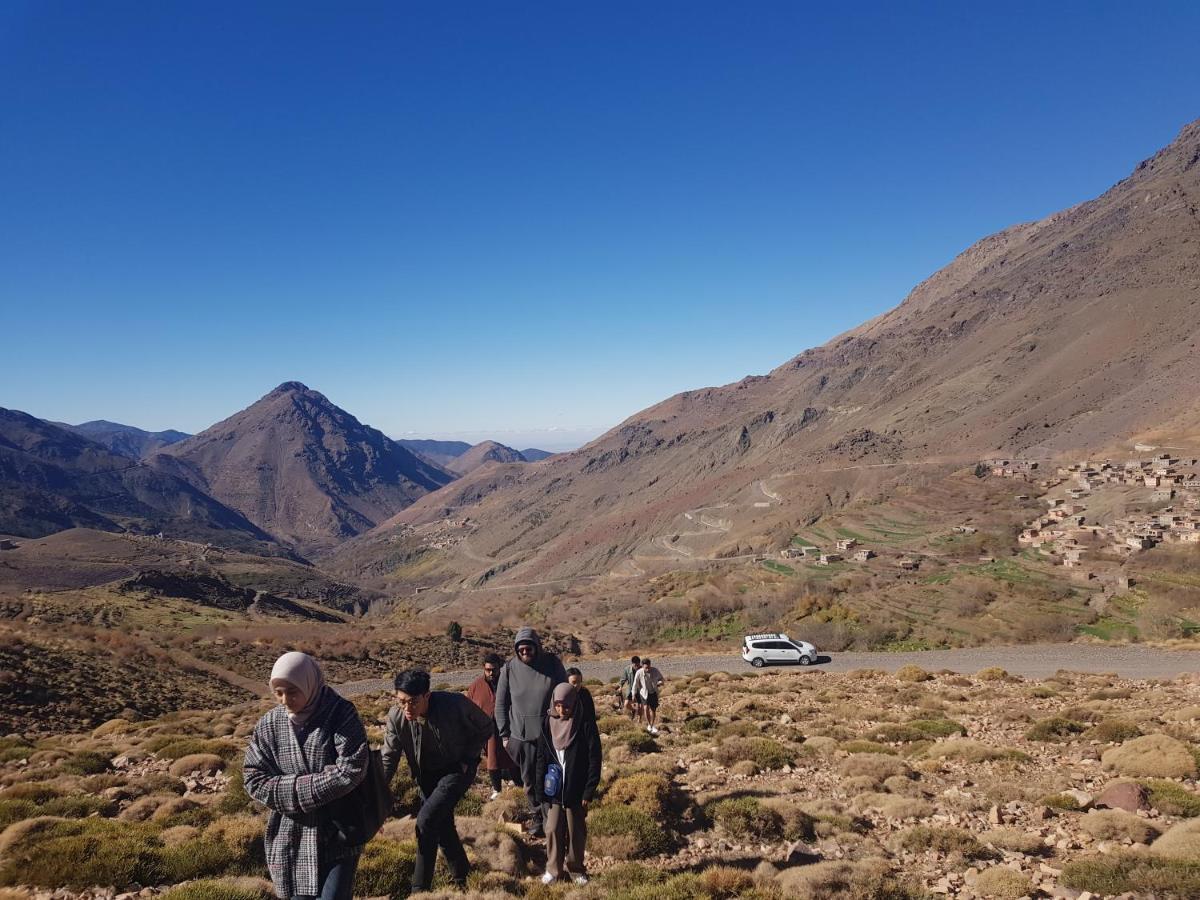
{"points": [[571, 741], [305, 753]]}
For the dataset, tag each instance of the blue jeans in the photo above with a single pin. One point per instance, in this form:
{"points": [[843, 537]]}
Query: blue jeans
{"points": [[336, 880]]}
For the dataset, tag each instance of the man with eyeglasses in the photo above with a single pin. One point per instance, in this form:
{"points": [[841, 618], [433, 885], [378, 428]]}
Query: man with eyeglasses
{"points": [[522, 699], [441, 734], [482, 693]]}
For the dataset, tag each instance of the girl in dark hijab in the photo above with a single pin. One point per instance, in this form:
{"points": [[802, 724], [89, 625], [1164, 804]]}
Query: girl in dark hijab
{"points": [[570, 741]]}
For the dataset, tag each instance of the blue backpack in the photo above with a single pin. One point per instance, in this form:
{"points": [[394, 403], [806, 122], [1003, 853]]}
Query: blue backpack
{"points": [[552, 785]]}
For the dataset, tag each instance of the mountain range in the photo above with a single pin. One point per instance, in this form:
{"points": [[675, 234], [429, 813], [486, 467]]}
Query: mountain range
{"points": [[1073, 334]]}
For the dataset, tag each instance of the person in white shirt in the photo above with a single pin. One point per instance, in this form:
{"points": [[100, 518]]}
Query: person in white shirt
{"points": [[646, 684]]}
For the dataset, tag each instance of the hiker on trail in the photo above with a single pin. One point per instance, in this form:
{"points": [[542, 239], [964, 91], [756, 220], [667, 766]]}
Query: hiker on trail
{"points": [[308, 751], [646, 685], [482, 693], [522, 698], [631, 700], [587, 704], [569, 741], [442, 735]]}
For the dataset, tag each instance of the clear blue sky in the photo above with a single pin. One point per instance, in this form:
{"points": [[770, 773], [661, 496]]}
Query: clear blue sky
{"points": [[480, 217]]}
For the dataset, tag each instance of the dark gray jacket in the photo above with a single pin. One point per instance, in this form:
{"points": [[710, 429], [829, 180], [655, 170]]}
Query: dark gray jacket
{"points": [[456, 731], [523, 692]]}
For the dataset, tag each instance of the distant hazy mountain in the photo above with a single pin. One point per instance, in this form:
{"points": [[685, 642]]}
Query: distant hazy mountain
{"points": [[440, 452], [482, 453], [125, 440], [532, 454], [303, 469], [52, 479]]}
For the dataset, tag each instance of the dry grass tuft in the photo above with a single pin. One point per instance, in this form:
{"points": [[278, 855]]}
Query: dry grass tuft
{"points": [[1152, 756], [1118, 825]]}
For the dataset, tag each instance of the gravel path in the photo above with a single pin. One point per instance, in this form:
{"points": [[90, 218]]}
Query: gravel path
{"points": [[1031, 661]]}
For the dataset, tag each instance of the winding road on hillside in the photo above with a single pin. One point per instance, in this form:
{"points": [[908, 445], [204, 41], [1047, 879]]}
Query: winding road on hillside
{"points": [[1030, 661]]}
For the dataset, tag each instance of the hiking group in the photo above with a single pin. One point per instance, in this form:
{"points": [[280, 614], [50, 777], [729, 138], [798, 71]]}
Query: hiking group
{"points": [[637, 692], [531, 720]]}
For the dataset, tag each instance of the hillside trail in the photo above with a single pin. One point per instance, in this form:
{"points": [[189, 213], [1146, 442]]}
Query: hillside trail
{"points": [[1132, 661]]}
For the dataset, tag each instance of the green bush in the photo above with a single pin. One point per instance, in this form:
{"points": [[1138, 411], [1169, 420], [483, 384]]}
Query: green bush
{"points": [[937, 727], [765, 752], [639, 742], [385, 869], [470, 804], [174, 747], [649, 792], [615, 724], [638, 834], [1172, 799], [946, 840], [1055, 729], [86, 762], [746, 817], [1112, 731], [14, 810], [234, 799], [895, 734], [699, 723], [211, 890], [1137, 873], [861, 746], [1065, 802]]}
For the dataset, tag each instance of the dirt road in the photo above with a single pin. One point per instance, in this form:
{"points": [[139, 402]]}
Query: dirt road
{"points": [[1031, 661]]}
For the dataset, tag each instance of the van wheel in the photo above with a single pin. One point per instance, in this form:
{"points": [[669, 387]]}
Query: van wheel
{"points": [[805, 660], [758, 662]]}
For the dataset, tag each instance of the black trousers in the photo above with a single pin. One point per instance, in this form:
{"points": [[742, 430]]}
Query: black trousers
{"points": [[435, 828], [524, 754]]}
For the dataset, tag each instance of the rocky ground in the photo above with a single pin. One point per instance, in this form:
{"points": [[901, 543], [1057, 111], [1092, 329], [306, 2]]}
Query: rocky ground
{"points": [[865, 783]]}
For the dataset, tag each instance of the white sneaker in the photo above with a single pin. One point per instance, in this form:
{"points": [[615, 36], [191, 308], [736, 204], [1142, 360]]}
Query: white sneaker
{"points": [[548, 879], [653, 729], [649, 729], [494, 795], [581, 879]]}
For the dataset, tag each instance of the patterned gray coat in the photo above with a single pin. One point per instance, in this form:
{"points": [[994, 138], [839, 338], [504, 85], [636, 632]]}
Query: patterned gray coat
{"points": [[294, 782]]}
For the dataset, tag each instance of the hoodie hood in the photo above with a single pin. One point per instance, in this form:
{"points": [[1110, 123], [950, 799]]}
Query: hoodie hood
{"points": [[527, 635]]}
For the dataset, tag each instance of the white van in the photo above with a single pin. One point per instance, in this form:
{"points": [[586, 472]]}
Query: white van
{"points": [[776, 649]]}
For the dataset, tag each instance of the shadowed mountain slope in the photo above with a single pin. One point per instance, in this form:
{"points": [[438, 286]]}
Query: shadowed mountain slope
{"points": [[303, 469], [52, 479], [440, 452], [1067, 334]]}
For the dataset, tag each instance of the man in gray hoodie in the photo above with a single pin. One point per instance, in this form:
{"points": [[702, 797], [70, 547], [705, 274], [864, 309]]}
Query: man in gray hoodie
{"points": [[523, 693]]}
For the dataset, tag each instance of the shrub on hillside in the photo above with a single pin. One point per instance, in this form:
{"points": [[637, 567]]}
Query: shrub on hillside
{"points": [[204, 763], [866, 879], [1137, 873], [625, 833], [1002, 883], [699, 723], [1112, 731], [912, 674], [877, 766], [1118, 825], [1181, 842], [385, 869], [1172, 799], [892, 733], [1055, 729], [864, 746], [53, 853], [1014, 840], [85, 762], [1153, 756], [211, 889], [764, 752], [945, 840], [935, 728], [992, 673], [745, 817], [645, 791], [968, 750]]}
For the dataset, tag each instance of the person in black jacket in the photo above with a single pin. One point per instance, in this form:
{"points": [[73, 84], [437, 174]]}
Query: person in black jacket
{"points": [[571, 741], [441, 734]]}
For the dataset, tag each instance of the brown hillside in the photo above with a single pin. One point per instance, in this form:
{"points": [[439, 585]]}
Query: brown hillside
{"points": [[481, 454], [303, 469], [1063, 335]]}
